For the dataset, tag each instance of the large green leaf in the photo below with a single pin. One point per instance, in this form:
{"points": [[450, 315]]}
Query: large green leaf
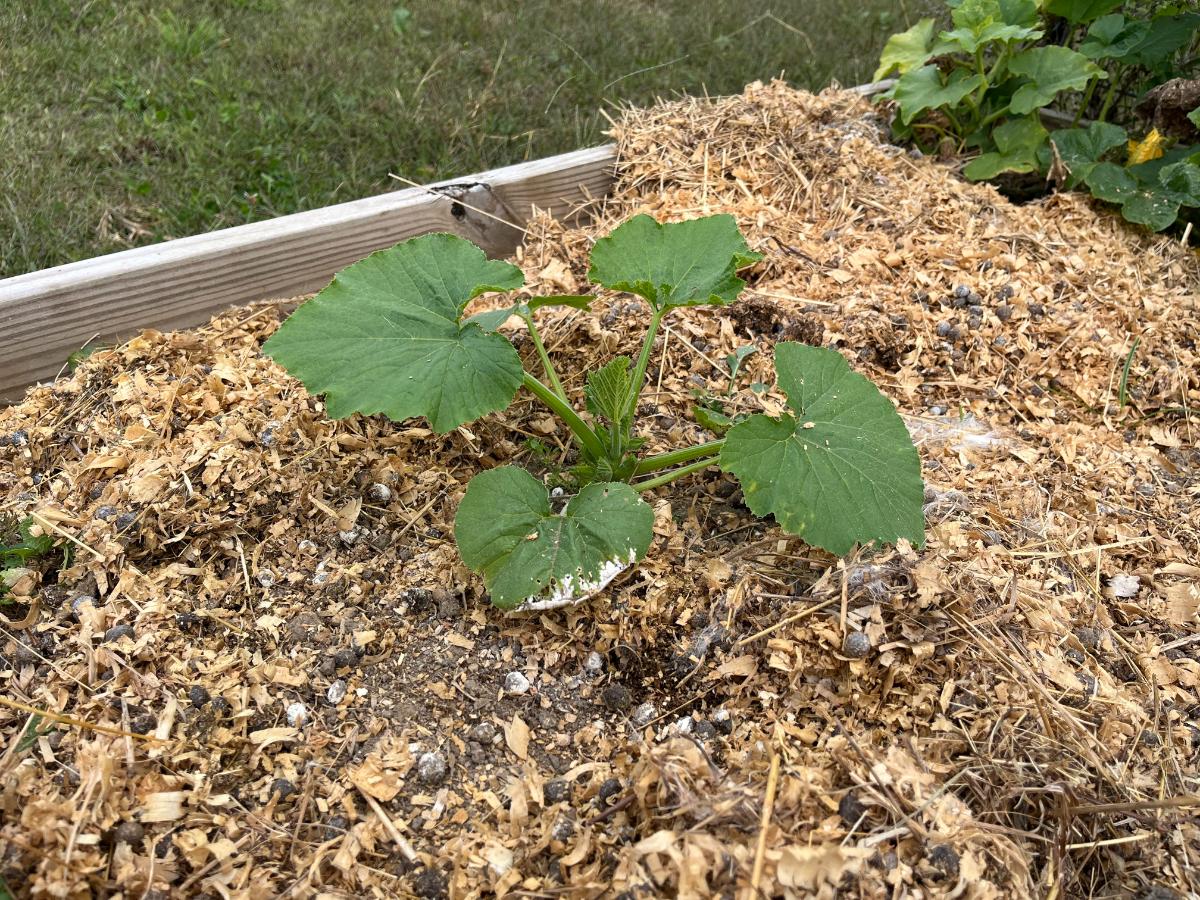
{"points": [[1164, 37], [1148, 196], [1182, 179], [1112, 37], [1051, 70], [1111, 183], [1081, 149], [906, 50], [386, 336], [1156, 209], [1079, 11], [532, 558], [1017, 144], [925, 88], [841, 470], [691, 263]]}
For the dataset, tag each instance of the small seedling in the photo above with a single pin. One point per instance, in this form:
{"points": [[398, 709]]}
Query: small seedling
{"points": [[19, 546], [388, 336]]}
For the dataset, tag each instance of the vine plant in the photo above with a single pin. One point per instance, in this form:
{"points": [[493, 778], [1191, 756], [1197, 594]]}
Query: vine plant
{"points": [[389, 336]]}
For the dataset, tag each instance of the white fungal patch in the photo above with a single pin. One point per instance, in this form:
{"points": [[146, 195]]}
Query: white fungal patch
{"points": [[571, 590]]}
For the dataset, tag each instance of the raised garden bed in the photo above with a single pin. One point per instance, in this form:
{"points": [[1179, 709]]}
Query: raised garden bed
{"points": [[284, 682]]}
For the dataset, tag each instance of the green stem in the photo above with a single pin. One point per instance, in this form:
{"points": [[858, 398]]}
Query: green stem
{"points": [[639, 373], [1087, 98], [547, 366], [675, 457], [1109, 97], [667, 477], [993, 117], [583, 434]]}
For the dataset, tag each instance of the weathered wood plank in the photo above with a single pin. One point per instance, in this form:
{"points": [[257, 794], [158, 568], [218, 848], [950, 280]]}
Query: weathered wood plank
{"points": [[46, 315]]}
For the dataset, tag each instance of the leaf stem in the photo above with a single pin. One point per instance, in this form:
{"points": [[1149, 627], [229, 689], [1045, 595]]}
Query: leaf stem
{"points": [[639, 373], [1087, 98], [583, 434], [547, 366], [675, 457], [667, 477]]}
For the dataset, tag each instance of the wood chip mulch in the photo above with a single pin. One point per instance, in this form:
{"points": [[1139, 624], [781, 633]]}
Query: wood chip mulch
{"points": [[254, 666]]}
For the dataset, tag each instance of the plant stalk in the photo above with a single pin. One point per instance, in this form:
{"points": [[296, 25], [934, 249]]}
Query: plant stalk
{"points": [[667, 477], [547, 366], [639, 373], [1083, 104], [586, 438], [676, 457]]}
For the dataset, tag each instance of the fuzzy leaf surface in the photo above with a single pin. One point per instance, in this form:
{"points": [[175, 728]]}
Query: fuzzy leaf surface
{"points": [[529, 555], [386, 337], [1051, 70], [692, 263], [607, 389], [839, 471]]}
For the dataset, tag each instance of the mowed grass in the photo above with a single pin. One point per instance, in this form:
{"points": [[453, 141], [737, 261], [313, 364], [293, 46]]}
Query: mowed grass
{"points": [[124, 122]]}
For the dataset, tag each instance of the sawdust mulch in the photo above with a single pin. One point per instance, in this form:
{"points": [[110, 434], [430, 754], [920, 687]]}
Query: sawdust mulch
{"points": [[264, 672]]}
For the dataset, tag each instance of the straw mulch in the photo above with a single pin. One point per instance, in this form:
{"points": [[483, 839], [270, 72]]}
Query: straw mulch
{"points": [[280, 681]]}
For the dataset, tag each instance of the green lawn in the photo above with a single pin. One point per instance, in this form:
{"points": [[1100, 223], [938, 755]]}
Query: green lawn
{"points": [[124, 122]]}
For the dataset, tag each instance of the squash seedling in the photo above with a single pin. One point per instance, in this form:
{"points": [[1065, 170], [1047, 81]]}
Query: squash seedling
{"points": [[388, 336]]}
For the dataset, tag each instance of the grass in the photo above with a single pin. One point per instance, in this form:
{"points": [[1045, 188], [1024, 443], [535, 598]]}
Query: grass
{"points": [[124, 122]]}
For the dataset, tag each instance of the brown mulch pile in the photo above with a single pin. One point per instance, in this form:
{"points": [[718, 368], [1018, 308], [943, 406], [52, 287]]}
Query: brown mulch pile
{"points": [[260, 669]]}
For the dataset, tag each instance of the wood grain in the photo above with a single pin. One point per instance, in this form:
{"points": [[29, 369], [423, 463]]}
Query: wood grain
{"points": [[47, 315]]}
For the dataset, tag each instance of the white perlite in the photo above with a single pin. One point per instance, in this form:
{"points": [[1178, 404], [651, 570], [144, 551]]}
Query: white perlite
{"points": [[297, 714], [571, 590], [1125, 586], [516, 683]]}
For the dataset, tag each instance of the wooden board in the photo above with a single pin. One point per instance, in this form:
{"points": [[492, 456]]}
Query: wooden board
{"points": [[47, 315]]}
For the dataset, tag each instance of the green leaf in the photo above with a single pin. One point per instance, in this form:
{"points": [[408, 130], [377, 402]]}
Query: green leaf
{"points": [[1111, 183], [1165, 35], [714, 420], [1079, 11], [842, 470], [1152, 204], [981, 22], [906, 50], [494, 318], [1194, 116], [1111, 37], [691, 263], [735, 359], [607, 389], [1154, 209], [1081, 149], [1182, 180], [1017, 143], [978, 14], [532, 558], [1051, 70], [924, 88], [386, 336]]}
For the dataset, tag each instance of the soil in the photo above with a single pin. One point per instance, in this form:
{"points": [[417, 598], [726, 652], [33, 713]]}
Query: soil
{"points": [[261, 669]]}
